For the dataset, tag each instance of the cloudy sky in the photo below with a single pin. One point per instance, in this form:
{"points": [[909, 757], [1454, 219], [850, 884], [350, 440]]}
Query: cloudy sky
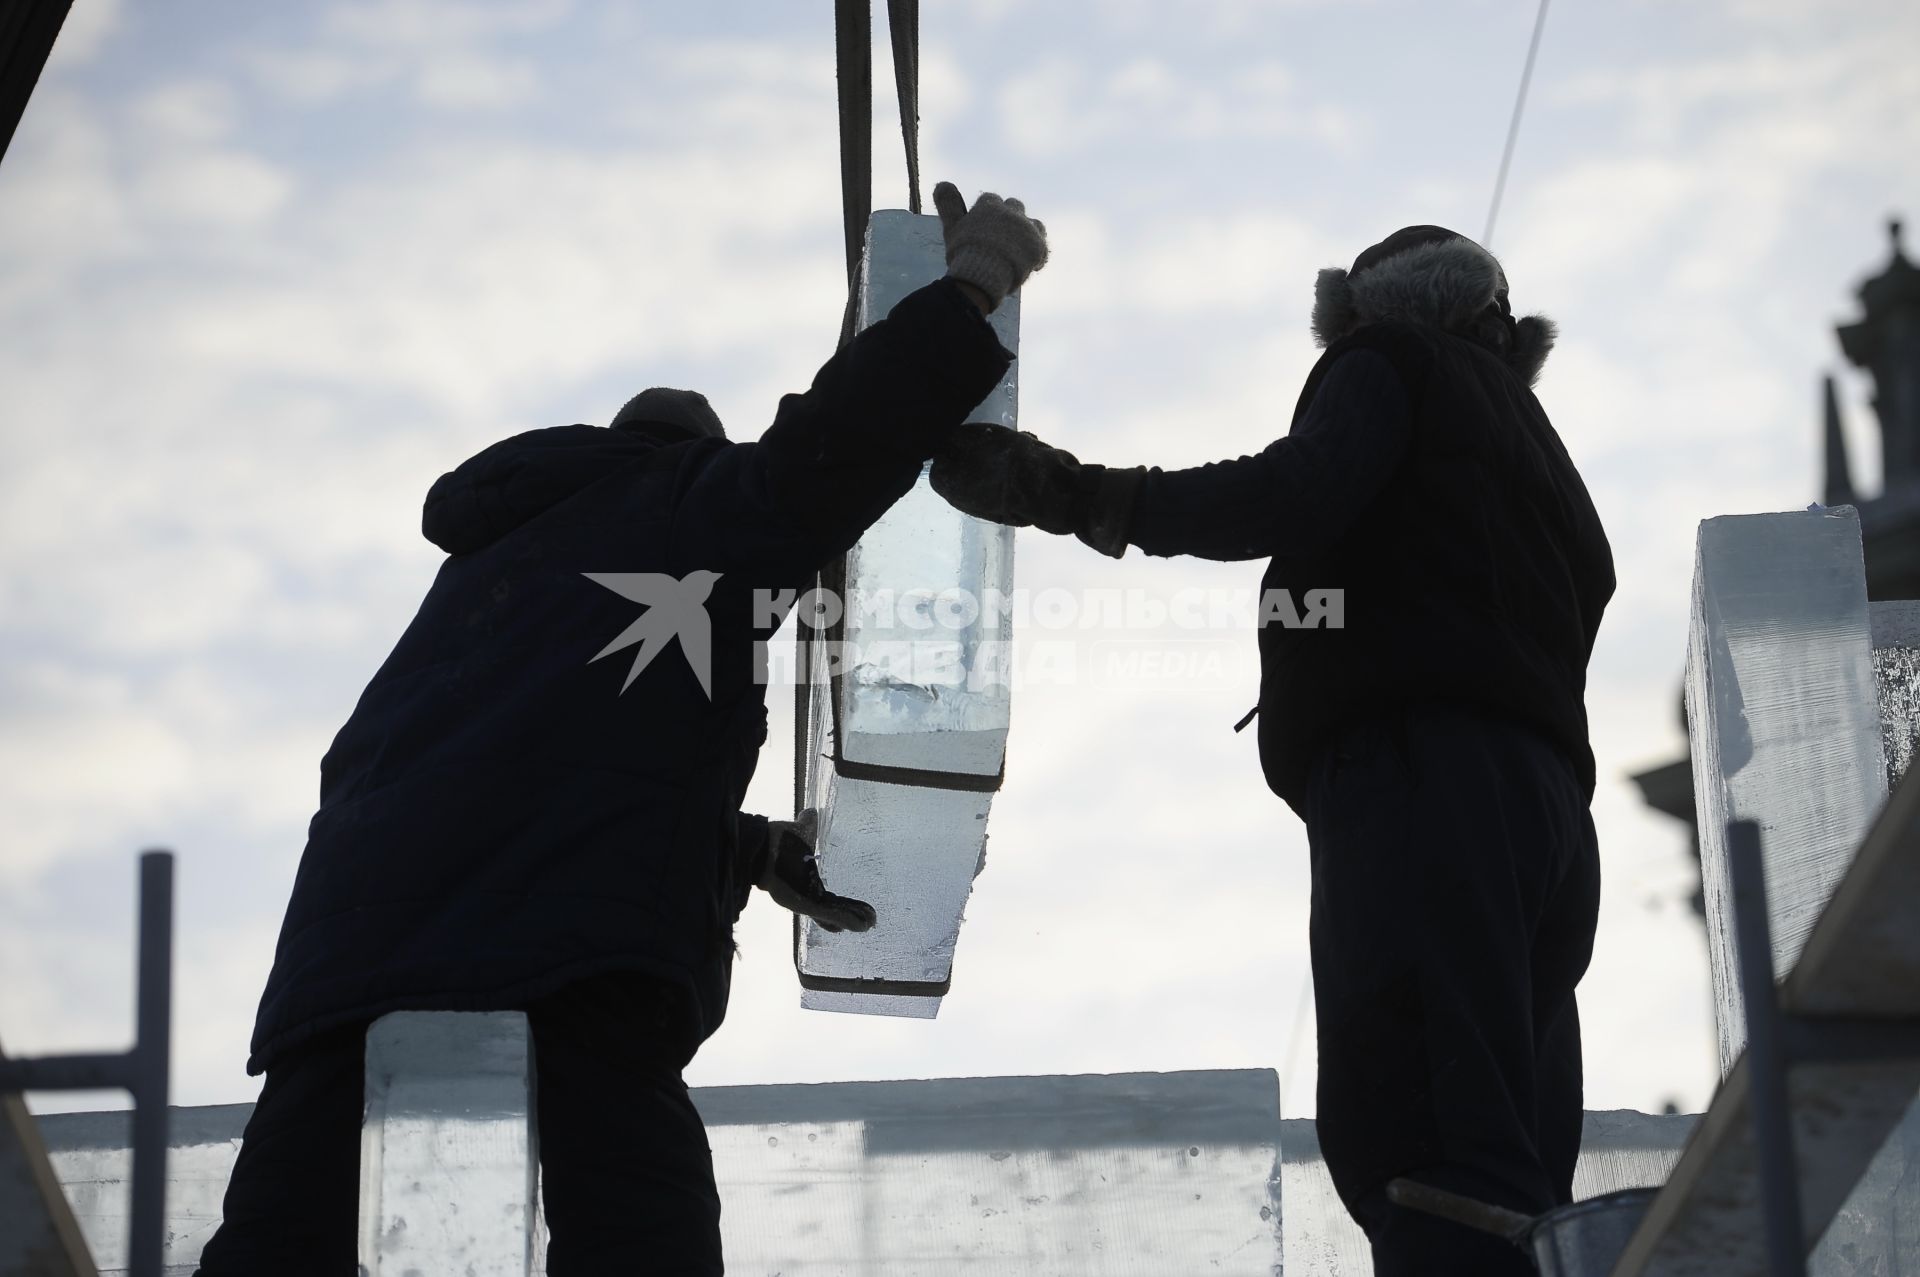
{"points": [[267, 270]]}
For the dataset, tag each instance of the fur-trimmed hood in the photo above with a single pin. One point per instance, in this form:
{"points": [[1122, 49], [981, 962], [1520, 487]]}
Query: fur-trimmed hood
{"points": [[1450, 284]]}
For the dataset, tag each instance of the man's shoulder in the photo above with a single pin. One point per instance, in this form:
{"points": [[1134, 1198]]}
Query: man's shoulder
{"points": [[1410, 347]]}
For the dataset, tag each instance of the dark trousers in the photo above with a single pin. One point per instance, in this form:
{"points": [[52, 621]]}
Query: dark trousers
{"points": [[626, 1175], [1456, 887]]}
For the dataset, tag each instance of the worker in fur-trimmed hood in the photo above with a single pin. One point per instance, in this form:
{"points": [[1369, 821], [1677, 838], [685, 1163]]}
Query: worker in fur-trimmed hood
{"points": [[1436, 580]]}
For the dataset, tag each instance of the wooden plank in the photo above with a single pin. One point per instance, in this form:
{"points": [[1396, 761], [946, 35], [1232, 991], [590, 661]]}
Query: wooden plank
{"points": [[1863, 957], [1706, 1222], [1861, 961], [38, 1234]]}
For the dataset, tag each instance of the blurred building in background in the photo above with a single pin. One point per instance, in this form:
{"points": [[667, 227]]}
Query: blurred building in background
{"points": [[1886, 343]]}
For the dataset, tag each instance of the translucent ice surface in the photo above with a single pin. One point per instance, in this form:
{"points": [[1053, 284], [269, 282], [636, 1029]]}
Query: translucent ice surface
{"points": [[928, 639], [926, 629], [448, 1176], [1132, 1175], [917, 686], [910, 852], [1781, 696]]}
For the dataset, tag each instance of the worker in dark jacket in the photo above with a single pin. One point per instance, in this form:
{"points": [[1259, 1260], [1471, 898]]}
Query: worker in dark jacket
{"points": [[536, 803], [1437, 579]]}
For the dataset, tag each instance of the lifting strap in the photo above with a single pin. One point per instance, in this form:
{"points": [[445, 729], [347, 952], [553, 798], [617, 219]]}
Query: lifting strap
{"points": [[853, 74]]}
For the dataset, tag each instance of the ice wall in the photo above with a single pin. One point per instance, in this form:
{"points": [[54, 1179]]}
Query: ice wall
{"points": [[910, 705], [448, 1156], [1785, 722], [1135, 1175], [1129, 1175], [1804, 705]]}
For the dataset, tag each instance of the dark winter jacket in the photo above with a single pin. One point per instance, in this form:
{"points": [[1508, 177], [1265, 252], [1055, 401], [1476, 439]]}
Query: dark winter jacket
{"points": [[503, 813], [1422, 480]]}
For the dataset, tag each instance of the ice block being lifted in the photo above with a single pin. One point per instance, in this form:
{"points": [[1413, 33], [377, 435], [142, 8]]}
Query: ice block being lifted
{"points": [[909, 704]]}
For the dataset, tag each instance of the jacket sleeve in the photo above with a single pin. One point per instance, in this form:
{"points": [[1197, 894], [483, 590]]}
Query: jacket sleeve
{"points": [[752, 845], [1303, 490], [836, 457]]}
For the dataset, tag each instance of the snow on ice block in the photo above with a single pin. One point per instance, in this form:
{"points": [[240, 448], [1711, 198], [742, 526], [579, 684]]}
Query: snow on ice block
{"points": [[1785, 722], [913, 732], [1896, 668], [448, 1168]]}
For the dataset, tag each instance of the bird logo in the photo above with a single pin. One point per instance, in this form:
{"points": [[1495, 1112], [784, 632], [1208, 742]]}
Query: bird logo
{"points": [[676, 608]]}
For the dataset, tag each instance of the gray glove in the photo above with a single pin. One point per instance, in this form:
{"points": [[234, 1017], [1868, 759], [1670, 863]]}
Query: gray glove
{"points": [[791, 876], [994, 245]]}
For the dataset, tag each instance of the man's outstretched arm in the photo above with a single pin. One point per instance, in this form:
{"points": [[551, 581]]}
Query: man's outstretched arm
{"points": [[1302, 490], [836, 457]]}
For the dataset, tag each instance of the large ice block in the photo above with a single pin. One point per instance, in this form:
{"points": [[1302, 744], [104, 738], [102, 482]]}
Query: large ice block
{"points": [[448, 1170], [1137, 1175], [927, 640], [1132, 1175], [912, 853], [1785, 722], [908, 717], [925, 629]]}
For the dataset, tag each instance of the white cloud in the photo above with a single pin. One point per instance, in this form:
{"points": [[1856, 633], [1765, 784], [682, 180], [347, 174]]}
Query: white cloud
{"points": [[88, 26], [426, 24], [313, 77], [186, 111], [223, 188], [1055, 107]]}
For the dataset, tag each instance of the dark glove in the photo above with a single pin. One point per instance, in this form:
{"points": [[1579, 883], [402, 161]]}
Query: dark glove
{"points": [[994, 473], [994, 245], [791, 876]]}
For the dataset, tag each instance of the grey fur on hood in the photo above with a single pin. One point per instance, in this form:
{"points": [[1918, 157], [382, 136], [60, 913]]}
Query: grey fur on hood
{"points": [[1448, 285]]}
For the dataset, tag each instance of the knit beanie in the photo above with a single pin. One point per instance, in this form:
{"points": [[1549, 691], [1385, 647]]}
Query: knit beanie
{"points": [[670, 414]]}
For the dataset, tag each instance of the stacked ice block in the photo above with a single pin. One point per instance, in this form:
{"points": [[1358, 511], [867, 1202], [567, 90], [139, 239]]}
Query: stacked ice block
{"points": [[909, 705], [1782, 701], [1803, 701]]}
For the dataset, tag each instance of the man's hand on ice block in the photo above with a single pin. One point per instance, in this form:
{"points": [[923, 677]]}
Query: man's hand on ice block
{"points": [[992, 246], [792, 878]]}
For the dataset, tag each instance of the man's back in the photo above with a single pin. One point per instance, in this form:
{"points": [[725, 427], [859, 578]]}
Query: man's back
{"points": [[1477, 576], [512, 805]]}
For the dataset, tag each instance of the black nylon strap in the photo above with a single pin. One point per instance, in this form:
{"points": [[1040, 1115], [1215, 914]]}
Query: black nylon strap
{"points": [[903, 22], [893, 988], [853, 60], [853, 74], [28, 29]]}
